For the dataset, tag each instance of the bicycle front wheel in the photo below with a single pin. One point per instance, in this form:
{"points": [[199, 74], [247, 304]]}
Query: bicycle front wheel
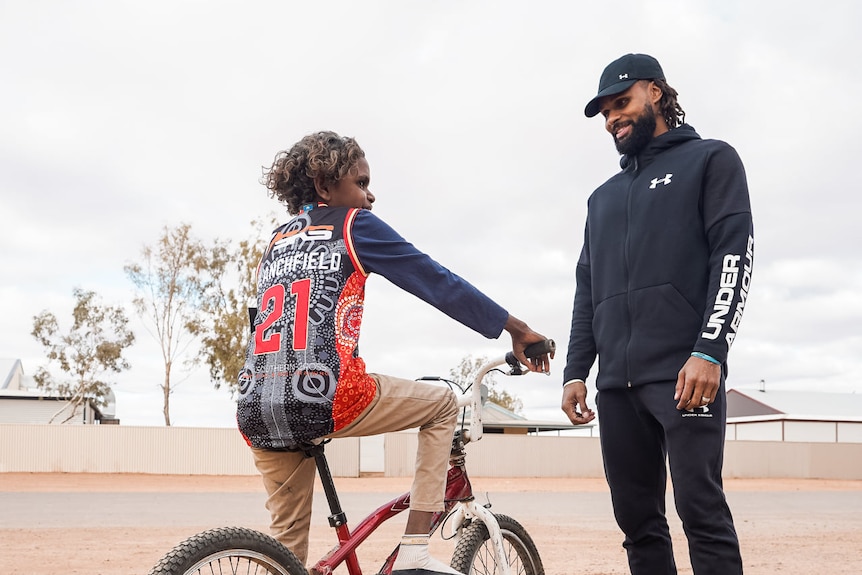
{"points": [[229, 550], [474, 554]]}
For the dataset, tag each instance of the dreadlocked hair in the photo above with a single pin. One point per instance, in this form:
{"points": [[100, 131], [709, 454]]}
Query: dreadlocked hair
{"points": [[671, 111], [322, 156]]}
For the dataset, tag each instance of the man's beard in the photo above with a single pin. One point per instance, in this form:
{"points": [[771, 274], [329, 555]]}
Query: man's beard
{"points": [[642, 132]]}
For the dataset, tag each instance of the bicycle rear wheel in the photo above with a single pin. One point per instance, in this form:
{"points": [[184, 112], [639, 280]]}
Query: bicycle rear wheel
{"points": [[474, 554], [229, 550]]}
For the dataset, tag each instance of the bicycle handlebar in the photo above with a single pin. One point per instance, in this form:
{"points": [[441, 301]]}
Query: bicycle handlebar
{"points": [[534, 350], [474, 399]]}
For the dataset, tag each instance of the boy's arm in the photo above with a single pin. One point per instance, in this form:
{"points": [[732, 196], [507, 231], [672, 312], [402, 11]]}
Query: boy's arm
{"points": [[381, 250]]}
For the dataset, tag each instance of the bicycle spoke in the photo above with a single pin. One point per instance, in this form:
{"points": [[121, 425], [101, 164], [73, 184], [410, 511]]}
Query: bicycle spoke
{"points": [[475, 553]]}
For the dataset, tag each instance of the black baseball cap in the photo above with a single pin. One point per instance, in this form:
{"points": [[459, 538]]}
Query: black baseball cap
{"points": [[620, 74]]}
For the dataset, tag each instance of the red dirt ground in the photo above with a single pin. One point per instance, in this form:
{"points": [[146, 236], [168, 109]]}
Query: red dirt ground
{"points": [[779, 544]]}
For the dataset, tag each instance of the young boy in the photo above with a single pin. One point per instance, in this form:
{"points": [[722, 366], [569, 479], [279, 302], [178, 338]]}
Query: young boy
{"points": [[303, 378]]}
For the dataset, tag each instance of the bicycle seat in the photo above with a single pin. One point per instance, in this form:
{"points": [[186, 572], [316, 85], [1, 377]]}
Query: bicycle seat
{"points": [[309, 448]]}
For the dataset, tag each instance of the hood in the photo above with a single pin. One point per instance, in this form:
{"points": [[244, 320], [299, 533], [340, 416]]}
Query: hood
{"points": [[659, 144]]}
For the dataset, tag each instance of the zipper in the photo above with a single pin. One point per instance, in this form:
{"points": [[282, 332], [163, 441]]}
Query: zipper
{"points": [[626, 266]]}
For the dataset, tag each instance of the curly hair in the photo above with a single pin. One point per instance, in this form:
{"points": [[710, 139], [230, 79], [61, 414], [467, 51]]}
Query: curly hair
{"points": [[671, 111], [320, 156]]}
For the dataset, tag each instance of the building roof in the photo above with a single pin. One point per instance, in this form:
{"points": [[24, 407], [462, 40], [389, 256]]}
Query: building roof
{"points": [[9, 368], [14, 385], [742, 402], [497, 417]]}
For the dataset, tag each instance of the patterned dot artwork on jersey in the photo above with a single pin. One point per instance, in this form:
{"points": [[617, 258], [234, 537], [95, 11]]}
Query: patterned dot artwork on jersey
{"points": [[303, 378]]}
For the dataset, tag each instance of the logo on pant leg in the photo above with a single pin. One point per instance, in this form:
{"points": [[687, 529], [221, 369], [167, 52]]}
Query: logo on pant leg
{"points": [[702, 411]]}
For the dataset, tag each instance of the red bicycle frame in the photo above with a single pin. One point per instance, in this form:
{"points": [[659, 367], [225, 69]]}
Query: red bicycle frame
{"points": [[458, 488]]}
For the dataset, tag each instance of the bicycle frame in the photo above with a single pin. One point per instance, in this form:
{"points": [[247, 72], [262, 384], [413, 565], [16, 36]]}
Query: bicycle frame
{"points": [[227, 548], [459, 504]]}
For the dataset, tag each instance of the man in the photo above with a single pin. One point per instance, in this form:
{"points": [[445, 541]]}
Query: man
{"points": [[662, 282]]}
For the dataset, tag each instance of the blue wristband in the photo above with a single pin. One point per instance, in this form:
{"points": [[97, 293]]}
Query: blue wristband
{"points": [[708, 358]]}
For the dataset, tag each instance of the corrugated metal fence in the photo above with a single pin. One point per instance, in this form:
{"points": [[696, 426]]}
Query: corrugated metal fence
{"points": [[129, 449], [500, 455], [200, 451]]}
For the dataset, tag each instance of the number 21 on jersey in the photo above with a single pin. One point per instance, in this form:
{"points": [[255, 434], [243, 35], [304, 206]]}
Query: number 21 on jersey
{"points": [[274, 296]]}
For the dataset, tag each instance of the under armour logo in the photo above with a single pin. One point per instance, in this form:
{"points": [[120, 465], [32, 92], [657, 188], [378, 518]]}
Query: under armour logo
{"points": [[624, 76], [702, 411], [656, 181]]}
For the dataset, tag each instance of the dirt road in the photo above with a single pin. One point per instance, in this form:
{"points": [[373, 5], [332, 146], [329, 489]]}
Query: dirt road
{"points": [[122, 524]]}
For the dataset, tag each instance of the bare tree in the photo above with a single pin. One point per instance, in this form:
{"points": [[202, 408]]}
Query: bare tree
{"points": [[92, 348], [466, 371], [174, 283], [225, 342]]}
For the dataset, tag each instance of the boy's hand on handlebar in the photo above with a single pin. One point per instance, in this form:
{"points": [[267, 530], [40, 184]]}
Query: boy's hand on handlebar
{"points": [[523, 336]]}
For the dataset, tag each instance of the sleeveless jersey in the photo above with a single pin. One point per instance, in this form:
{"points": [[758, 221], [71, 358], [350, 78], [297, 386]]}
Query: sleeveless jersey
{"points": [[303, 378]]}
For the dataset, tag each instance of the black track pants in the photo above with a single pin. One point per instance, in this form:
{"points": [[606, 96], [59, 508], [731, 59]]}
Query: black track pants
{"points": [[640, 428]]}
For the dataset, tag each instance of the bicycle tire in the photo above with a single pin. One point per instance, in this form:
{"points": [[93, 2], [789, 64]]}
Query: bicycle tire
{"points": [[229, 550], [474, 553]]}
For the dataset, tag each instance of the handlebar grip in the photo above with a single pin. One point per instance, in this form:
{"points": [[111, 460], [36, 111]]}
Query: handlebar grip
{"points": [[540, 348]]}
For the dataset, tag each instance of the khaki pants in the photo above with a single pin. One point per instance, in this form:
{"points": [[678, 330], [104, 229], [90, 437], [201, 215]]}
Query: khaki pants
{"points": [[400, 404]]}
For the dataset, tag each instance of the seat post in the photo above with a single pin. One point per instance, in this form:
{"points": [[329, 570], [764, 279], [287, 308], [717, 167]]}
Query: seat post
{"points": [[337, 517]]}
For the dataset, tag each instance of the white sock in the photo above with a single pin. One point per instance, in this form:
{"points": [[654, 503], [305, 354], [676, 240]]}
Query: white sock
{"points": [[413, 554]]}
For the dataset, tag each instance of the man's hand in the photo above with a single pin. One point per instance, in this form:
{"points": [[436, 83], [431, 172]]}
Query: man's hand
{"points": [[697, 383], [575, 403]]}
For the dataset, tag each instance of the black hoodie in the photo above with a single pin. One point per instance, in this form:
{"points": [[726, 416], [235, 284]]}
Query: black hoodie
{"points": [[666, 263]]}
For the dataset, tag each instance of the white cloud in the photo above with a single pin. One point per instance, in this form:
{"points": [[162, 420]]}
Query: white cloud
{"points": [[122, 117]]}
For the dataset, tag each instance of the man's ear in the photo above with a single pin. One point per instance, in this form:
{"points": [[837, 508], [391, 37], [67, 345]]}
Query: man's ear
{"points": [[655, 93], [321, 188]]}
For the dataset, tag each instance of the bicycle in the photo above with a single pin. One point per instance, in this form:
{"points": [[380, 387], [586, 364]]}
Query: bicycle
{"points": [[486, 543]]}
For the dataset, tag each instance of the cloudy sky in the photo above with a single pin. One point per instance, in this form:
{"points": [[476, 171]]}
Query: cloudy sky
{"points": [[118, 118]]}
